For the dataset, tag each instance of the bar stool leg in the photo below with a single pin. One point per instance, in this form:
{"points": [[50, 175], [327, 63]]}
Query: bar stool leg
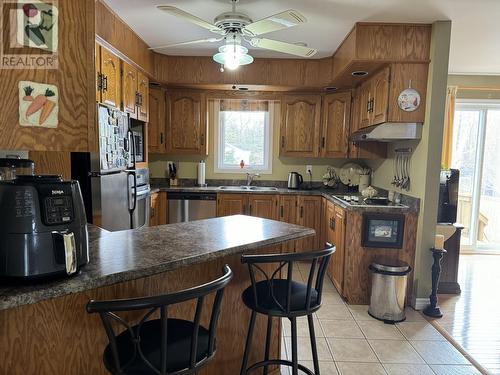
{"points": [[268, 341], [248, 344], [314, 349], [295, 360]]}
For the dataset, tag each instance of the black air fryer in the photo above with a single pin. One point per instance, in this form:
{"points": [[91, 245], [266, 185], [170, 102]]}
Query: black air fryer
{"points": [[43, 227]]}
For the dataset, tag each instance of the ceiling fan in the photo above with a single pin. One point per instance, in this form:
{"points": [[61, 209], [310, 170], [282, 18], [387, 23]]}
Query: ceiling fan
{"points": [[234, 28]]}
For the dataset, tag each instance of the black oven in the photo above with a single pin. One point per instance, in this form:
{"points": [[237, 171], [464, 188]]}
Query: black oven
{"points": [[383, 230]]}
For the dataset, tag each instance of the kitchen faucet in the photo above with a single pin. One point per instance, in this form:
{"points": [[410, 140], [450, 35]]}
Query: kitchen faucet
{"points": [[250, 177]]}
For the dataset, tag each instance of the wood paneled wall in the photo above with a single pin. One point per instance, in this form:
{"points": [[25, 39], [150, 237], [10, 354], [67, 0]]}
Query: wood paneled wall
{"points": [[74, 79], [118, 34], [277, 74]]}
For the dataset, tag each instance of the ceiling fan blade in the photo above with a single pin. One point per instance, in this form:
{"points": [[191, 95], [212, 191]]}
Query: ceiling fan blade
{"points": [[207, 40], [190, 18], [279, 21], [276, 45]]}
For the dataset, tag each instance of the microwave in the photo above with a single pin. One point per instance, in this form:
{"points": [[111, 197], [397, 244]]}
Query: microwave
{"points": [[137, 134], [383, 230]]}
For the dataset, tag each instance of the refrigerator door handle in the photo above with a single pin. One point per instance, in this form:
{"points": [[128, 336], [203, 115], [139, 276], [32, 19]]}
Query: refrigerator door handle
{"points": [[132, 191]]}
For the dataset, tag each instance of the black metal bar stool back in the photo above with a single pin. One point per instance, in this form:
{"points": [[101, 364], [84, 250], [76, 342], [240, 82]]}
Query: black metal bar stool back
{"points": [[284, 297], [164, 346]]}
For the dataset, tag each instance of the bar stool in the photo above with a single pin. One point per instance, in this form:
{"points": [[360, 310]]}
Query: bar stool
{"points": [[164, 346], [284, 298]]}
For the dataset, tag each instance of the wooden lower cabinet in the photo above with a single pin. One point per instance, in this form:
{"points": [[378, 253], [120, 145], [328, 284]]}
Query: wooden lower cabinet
{"points": [[288, 213], [335, 220], [309, 215], [232, 204], [263, 205], [158, 209]]}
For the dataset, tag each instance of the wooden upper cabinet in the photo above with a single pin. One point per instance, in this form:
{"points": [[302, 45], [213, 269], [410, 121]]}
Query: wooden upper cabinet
{"points": [[263, 205], [187, 123], [111, 78], [232, 204], [129, 89], [335, 125], [142, 97], [157, 121], [380, 96], [309, 215], [300, 125], [364, 105]]}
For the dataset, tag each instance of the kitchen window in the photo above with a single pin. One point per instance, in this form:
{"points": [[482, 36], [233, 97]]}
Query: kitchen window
{"points": [[243, 137]]}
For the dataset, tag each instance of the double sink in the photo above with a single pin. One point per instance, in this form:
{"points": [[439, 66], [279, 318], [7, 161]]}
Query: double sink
{"points": [[248, 188]]}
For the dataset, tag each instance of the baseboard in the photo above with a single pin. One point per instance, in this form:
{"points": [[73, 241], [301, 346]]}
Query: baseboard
{"points": [[421, 303]]}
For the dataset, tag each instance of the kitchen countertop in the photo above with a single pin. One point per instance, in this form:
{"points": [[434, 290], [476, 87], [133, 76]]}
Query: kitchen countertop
{"points": [[411, 205], [131, 254]]}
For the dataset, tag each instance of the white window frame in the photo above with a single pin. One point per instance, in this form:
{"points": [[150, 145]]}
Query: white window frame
{"points": [[268, 147]]}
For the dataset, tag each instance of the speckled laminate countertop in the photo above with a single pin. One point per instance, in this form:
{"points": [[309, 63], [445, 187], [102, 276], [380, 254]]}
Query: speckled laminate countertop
{"points": [[131, 254], [409, 205]]}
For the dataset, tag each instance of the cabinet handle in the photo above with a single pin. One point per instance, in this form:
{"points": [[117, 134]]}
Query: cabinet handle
{"points": [[202, 141], [368, 106], [371, 105], [244, 209], [323, 142], [161, 138], [334, 223], [281, 211], [301, 211], [104, 83], [137, 99], [250, 209], [99, 81], [152, 212], [140, 100], [282, 141]]}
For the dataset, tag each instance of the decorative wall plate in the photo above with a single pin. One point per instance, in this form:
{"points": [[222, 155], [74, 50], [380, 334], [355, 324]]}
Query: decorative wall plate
{"points": [[409, 100], [349, 174]]}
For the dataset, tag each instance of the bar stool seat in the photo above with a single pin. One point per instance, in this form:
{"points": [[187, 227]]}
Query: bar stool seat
{"points": [[179, 333], [272, 304], [157, 344], [284, 298]]}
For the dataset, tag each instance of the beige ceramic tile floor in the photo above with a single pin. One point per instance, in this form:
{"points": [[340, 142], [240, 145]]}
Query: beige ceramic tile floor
{"points": [[352, 342]]}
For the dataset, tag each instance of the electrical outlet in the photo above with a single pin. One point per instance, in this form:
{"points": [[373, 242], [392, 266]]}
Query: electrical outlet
{"points": [[309, 169]]}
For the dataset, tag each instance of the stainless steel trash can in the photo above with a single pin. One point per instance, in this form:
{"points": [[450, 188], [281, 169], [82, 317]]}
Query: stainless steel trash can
{"points": [[387, 301]]}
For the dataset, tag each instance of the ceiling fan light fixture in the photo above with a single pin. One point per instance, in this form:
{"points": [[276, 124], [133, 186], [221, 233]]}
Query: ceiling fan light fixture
{"points": [[232, 55]]}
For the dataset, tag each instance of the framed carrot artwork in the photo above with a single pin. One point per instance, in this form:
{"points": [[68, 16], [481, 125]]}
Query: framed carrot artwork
{"points": [[38, 104]]}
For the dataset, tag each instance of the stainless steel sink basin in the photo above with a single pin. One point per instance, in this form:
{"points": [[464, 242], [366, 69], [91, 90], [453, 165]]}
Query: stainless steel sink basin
{"points": [[251, 188], [262, 188], [233, 187]]}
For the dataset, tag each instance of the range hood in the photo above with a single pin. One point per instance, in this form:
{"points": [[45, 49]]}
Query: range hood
{"points": [[388, 132]]}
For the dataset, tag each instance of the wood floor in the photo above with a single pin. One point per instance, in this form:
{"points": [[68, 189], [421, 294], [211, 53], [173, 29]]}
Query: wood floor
{"points": [[473, 318]]}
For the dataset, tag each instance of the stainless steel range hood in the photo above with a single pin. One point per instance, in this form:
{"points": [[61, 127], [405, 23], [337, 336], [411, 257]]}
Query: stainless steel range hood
{"points": [[388, 132]]}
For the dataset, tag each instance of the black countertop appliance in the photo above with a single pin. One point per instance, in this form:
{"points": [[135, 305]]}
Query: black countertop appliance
{"points": [[43, 228]]}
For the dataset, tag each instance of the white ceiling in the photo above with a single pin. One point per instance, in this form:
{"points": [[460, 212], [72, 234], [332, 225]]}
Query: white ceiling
{"points": [[475, 24]]}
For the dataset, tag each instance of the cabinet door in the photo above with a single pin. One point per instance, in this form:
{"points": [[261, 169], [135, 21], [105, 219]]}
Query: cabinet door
{"points": [[330, 232], [380, 93], [159, 207], [154, 209], [110, 70], [288, 213], [156, 124], [143, 97], [335, 124], [129, 89], [338, 258], [309, 215], [186, 126], [263, 205], [232, 204], [364, 97], [300, 125]]}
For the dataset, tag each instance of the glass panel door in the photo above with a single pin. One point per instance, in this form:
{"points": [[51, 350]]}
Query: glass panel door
{"points": [[488, 232], [464, 154]]}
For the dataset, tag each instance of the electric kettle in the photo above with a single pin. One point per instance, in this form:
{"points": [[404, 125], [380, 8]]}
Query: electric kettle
{"points": [[294, 180]]}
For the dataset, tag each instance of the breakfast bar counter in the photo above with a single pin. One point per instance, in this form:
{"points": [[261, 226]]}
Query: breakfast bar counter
{"points": [[133, 263]]}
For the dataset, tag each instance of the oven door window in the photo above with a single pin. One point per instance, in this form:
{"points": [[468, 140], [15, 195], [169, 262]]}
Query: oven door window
{"points": [[383, 231]]}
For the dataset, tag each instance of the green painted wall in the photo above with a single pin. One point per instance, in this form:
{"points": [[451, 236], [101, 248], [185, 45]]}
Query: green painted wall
{"points": [[426, 158], [187, 165]]}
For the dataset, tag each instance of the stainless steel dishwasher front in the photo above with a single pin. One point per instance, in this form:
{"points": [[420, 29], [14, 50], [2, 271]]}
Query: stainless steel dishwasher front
{"points": [[191, 206]]}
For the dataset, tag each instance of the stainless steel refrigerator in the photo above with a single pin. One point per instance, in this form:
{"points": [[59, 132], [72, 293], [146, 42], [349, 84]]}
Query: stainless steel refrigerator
{"points": [[116, 195]]}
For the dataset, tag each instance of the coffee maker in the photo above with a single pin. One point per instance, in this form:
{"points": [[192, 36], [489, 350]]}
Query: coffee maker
{"points": [[43, 227]]}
